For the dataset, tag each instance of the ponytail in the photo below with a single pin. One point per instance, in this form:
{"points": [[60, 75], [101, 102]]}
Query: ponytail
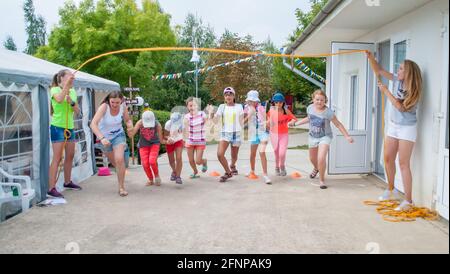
{"points": [[56, 81]]}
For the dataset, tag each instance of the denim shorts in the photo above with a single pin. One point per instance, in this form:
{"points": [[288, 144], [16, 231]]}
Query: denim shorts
{"points": [[259, 137], [315, 142], [57, 135], [119, 139], [234, 138]]}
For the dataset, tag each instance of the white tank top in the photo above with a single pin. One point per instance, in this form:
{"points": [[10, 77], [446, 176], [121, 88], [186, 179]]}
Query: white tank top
{"points": [[111, 126]]}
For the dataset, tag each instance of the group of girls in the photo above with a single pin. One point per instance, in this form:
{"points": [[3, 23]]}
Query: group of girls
{"points": [[189, 131]]}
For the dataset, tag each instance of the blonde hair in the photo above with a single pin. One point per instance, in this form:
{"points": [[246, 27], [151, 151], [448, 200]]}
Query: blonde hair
{"points": [[412, 84], [319, 92]]}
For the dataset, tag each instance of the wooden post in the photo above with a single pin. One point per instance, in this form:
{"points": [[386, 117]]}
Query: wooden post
{"points": [[132, 139]]}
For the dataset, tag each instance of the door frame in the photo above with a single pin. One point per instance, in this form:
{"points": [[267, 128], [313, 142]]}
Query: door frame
{"points": [[367, 169], [443, 151], [377, 112]]}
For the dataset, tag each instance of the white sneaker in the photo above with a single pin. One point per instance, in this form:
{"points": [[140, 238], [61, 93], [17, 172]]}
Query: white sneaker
{"points": [[389, 195], [404, 206], [267, 180]]}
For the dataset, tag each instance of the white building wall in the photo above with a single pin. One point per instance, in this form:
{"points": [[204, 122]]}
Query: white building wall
{"points": [[423, 29]]}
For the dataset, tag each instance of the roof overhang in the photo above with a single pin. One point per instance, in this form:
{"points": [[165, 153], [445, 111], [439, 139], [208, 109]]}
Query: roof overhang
{"points": [[350, 20]]}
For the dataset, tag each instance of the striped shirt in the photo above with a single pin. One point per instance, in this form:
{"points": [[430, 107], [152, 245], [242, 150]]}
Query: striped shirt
{"points": [[196, 128]]}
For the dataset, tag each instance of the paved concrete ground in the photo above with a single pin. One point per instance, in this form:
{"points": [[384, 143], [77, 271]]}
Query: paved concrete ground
{"points": [[204, 216]]}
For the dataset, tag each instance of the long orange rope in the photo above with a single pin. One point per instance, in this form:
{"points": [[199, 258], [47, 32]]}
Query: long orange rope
{"points": [[228, 51]]}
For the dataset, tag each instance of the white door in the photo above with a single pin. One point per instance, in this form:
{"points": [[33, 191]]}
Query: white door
{"points": [[442, 189], [351, 98]]}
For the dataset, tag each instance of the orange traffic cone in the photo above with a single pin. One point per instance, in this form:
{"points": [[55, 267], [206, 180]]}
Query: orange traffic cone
{"points": [[252, 176], [296, 175], [214, 174]]}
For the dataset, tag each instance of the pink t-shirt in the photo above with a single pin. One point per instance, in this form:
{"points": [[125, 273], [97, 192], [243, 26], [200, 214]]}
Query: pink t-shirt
{"points": [[196, 128]]}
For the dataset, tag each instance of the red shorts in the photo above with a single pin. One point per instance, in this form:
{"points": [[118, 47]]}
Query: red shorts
{"points": [[171, 148], [196, 147]]}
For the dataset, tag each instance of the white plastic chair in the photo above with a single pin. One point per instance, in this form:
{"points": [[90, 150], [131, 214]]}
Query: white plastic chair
{"points": [[26, 193]]}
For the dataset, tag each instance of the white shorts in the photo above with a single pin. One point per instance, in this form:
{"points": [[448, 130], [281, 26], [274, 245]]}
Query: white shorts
{"points": [[402, 132]]}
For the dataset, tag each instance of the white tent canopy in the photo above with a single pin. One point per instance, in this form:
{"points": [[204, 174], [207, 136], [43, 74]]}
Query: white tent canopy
{"points": [[25, 147], [22, 68]]}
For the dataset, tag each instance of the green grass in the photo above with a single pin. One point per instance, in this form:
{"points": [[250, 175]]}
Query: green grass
{"points": [[297, 130], [302, 147]]}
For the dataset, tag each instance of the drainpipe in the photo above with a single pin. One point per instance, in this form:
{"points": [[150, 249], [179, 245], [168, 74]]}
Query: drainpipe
{"points": [[303, 75]]}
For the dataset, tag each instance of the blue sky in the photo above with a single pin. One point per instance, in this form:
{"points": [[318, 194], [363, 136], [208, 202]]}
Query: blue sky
{"points": [[259, 18]]}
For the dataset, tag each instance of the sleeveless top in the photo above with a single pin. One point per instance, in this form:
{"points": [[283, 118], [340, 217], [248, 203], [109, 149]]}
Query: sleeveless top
{"points": [[111, 126]]}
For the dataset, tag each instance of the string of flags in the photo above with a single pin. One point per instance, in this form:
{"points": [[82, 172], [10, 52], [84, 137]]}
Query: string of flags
{"points": [[309, 71], [203, 70], [297, 62]]}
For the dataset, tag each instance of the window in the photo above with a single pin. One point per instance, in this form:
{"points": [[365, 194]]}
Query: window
{"points": [[353, 102], [399, 54], [80, 136], [16, 136]]}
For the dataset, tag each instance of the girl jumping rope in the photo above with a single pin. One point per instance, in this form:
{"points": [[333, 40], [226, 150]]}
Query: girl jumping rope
{"points": [[320, 133], [107, 126], [173, 135], [402, 125], [195, 122], [232, 117], [279, 117], [255, 116], [150, 139]]}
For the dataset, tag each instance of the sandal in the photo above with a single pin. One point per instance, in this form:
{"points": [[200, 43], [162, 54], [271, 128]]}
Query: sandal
{"points": [[194, 176], [149, 183], [233, 170], [122, 192], [205, 166], [314, 173], [225, 177], [323, 186]]}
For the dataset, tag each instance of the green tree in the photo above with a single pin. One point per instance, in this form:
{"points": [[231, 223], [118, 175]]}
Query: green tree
{"points": [[9, 43], [287, 81], [35, 28], [166, 94], [242, 77], [91, 29]]}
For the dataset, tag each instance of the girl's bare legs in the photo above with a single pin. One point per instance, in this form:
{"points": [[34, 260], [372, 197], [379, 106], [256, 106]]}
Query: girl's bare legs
{"points": [[223, 146], [405, 150], [322, 162], [253, 150], [199, 157], [56, 159], [262, 155], [313, 155], [234, 155], [390, 154], [179, 161], [191, 156], [120, 165], [68, 161]]}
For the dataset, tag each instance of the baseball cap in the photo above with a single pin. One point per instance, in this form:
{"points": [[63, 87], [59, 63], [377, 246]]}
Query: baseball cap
{"points": [[148, 119], [229, 89]]}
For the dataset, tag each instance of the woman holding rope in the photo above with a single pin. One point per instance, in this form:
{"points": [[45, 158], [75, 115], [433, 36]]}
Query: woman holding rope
{"points": [[402, 126], [64, 104], [107, 126]]}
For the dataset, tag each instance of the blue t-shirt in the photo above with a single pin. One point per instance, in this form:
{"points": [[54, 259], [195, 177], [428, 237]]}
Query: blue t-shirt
{"points": [[319, 122], [407, 118]]}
